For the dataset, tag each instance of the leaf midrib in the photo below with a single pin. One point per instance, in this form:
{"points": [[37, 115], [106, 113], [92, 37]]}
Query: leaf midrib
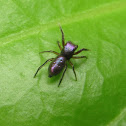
{"points": [[91, 13]]}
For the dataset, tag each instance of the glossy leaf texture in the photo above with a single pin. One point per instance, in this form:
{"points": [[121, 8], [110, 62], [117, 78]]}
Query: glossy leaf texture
{"points": [[28, 27]]}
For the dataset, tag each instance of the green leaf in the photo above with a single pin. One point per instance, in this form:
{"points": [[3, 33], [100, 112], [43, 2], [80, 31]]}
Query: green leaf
{"points": [[28, 27]]}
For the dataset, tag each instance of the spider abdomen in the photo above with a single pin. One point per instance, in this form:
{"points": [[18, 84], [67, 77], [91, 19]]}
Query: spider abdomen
{"points": [[56, 66]]}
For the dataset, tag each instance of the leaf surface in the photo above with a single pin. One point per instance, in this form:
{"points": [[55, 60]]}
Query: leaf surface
{"points": [[98, 98]]}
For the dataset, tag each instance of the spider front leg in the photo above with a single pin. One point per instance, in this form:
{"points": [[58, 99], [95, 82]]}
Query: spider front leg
{"points": [[73, 69], [42, 66], [59, 45], [81, 51], [63, 41]]}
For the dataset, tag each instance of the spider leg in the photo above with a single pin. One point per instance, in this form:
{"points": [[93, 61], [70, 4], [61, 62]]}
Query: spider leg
{"points": [[73, 69], [59, 45], [81, 51], [78, 57], [51, 52], [63, 41], [42, 66], [62, 75]]}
